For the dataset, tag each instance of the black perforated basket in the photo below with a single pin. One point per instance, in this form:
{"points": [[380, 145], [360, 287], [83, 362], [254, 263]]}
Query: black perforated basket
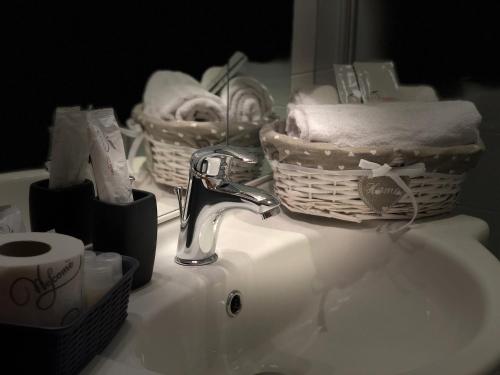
{"points": [[66, 350]]}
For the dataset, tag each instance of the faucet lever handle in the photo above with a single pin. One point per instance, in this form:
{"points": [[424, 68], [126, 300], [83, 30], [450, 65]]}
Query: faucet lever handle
{"points": [[215, 161], [239, 153]]}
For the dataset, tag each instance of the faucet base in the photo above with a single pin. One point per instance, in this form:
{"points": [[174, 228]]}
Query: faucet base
{"points": [[198, 262]]}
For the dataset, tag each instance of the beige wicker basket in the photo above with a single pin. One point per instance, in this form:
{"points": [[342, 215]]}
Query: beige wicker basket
{"points": [[323, 180], [169, 145]]}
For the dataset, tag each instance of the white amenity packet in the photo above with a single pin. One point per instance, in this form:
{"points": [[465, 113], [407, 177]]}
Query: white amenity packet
{"points": [[11, 220], [377, 81], [107, 153], [347, 84], [69, 151]]}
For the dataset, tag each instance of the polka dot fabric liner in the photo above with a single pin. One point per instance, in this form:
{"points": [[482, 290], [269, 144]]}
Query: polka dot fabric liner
{"points": [[170, 144], [196, 134], [294, 151]]}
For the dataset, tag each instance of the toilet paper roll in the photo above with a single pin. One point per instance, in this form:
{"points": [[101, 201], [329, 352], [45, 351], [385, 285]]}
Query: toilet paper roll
{"points": [[41, 279]]}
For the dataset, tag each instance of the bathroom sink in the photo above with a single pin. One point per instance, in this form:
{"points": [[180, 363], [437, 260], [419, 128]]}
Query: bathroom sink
{"points": [[320, 297], [316, 297]]}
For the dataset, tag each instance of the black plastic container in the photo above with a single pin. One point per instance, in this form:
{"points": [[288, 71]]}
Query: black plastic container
{"points": [[67, 210], [66, 350], [129, 229]]}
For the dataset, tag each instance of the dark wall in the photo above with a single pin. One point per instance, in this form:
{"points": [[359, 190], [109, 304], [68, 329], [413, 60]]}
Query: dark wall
{"points": [[83, 55], [444, 42]]}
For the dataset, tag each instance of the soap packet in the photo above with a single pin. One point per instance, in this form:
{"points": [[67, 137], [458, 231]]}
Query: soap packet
{"points": [[377, 81], [101, 272], [107, 153], [11, 220], [69, 152], [51, 128], [347, 84]]}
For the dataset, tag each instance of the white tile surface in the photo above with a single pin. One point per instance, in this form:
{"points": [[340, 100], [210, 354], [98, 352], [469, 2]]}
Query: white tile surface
{"points": [[487, 100], [275, 75], [328, 39], [493, 220], [371, 31], [103, 365], [325, 77], [481, 189], [301, 80], [481, 193], [304, 36]]}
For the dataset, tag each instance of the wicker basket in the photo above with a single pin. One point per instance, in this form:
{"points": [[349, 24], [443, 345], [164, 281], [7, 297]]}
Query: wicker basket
{"points": [[170, 144], [323, 180], [67, 350]]}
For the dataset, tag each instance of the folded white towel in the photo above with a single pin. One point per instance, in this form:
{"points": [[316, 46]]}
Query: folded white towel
{"points": [[420, 93], [249, 100], [311, 95], [174, 95], [401, 124]]}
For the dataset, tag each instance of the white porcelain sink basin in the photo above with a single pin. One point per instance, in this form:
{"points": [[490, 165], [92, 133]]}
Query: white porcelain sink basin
{"points": [[318, 297]]}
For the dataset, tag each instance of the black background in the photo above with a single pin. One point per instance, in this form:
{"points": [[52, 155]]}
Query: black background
{"points": [[85, 54], [444, 42]]}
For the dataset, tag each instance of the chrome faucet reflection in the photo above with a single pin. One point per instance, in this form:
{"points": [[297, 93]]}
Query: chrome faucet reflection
{"points": [[209, 194]]}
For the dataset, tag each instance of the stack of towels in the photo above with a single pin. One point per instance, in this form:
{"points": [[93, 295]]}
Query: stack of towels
{"points": [[404, 124], [171, 95]]}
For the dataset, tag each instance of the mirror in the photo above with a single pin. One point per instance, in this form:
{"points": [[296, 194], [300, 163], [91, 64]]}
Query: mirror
{"points": [[104, 58], [448, 45]]}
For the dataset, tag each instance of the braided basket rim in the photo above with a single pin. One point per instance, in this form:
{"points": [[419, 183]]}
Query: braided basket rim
{"points": [[276, 128]]}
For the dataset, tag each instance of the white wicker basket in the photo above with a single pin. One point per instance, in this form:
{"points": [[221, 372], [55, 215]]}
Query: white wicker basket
{"points": [[320, 179], [169, 145]]}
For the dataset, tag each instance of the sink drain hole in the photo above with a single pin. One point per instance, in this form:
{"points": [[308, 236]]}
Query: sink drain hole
{"points": [[234, 303]]}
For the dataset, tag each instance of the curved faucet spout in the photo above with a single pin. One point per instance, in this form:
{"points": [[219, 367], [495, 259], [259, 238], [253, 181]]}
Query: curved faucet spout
{"points": [[209, 194], [261, 199]]}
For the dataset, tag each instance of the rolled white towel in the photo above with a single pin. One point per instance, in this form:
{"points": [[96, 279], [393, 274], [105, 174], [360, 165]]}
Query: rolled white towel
{"points": [[210, 75], [420, 93], [213, 78], [311, 95], [249, 100], [397, 124], [174, 95]]}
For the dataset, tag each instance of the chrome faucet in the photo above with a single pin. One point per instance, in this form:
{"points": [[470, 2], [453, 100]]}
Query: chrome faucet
{"points": [[209, 194]]}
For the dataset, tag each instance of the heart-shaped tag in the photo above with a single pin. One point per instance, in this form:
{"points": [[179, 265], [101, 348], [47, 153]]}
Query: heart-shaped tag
{"points": [[380, 193]]}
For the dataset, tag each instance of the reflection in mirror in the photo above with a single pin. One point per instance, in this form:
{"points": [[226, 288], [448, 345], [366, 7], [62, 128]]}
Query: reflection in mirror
{"points": [[433, 51], [162, 70]]}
